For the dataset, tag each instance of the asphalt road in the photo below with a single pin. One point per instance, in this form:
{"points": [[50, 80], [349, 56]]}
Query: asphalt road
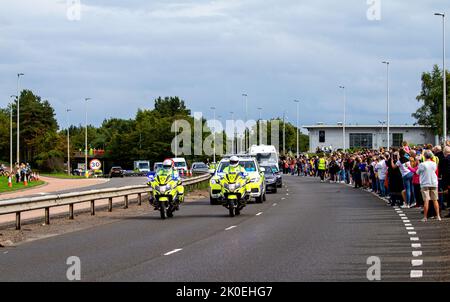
{"points": [[309, 231]]}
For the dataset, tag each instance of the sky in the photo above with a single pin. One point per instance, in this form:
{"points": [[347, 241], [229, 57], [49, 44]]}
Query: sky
{"points": [[124, 54]]}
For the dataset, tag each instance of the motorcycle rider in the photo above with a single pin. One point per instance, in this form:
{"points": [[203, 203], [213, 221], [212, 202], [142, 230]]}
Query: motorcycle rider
{"points": [[167, 169], [234, 166]]}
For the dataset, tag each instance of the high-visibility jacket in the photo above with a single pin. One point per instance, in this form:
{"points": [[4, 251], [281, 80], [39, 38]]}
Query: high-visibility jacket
{"points": [[322, 164]]}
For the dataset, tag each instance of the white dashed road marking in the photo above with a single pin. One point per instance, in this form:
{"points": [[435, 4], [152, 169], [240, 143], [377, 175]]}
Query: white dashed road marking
{"points": [[416, 245], [230, 228], [172, 252], [417, 253], [417, 262], [260, 213], [416, 274]]}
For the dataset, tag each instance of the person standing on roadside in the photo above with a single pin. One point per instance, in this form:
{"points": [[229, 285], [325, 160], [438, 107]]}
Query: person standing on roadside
{"points": [[429, 184], [322, 167]]}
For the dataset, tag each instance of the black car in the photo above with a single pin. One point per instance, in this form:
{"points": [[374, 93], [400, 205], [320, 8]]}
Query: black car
{"points": [[278, 175], [271, 180], [116, 172]]}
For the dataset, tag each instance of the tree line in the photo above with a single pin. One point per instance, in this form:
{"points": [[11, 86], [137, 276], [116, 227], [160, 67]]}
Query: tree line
{"points": [[146, 136]]}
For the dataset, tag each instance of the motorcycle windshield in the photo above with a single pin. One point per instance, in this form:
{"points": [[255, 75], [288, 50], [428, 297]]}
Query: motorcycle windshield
{"points": [[232, 177]]}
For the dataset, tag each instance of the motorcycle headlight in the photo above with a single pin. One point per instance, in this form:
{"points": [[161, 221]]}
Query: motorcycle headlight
{"points": [[213, 181], [161, 189]]}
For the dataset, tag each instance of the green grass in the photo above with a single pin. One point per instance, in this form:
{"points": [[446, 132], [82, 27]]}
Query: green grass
{"points": [[61, 175], [4, 185]]}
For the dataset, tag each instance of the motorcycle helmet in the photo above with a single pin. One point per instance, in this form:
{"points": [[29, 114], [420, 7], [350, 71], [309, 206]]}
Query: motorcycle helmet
{"points": [[234, 161], [167, 164]]}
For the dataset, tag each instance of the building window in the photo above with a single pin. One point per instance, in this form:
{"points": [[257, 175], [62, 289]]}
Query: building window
{"points": [[397, 139], [321, 136], [361, 140]]}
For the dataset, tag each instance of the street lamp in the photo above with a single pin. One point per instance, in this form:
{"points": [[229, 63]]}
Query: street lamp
{"points": [[388, 114], [444, 77], [85, 140], [68, 141], [18, 117], [11, 136], [214, 133], [233, 137], [298, 103], [245, 96], [345, 117]]}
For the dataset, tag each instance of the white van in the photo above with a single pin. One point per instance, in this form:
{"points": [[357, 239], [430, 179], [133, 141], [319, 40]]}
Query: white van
{"points": [[180, 164], [265, 155]]}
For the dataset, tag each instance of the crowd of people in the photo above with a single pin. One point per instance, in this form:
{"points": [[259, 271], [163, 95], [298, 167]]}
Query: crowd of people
{"points": [[407, 177]]}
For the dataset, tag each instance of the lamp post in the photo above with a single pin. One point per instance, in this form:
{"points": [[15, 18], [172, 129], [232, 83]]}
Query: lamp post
{"points": [[11, 136], [388, 108], [298, 130], [214, 133], [284, 132], [18, 116], [444, 78], [85, 140], [68, 141], [344, 138]]}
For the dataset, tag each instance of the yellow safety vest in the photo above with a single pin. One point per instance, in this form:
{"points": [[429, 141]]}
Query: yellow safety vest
{"points": [[322, 164]]}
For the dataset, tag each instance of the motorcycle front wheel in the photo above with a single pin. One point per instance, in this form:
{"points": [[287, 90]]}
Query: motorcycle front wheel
{"points": [[162, 210]]}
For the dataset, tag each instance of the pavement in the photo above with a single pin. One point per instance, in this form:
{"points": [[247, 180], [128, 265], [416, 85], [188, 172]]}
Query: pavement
{"points": [[61, 186], [309, 231]]}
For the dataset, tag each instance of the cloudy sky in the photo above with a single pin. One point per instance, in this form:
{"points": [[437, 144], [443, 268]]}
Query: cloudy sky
{"points": [[123, 54]]}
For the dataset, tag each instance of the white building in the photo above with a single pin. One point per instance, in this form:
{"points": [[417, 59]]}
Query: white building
{"points": [[366, 136]]}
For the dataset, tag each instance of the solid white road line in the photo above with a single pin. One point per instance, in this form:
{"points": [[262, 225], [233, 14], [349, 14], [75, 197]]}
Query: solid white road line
{"points": [[172, 252], [416, 274], [230, 228], [417, 262]]}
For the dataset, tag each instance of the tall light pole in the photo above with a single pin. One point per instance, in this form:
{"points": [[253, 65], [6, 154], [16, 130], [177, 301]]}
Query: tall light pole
{"points": [[11, 135], [388, 107], [214, 133], [18, 116], [382, 129], [284, 133], [68, 141], [298, 130], [86, 139], [344, 138], [259, 125], [245, 96], [444, 77]]}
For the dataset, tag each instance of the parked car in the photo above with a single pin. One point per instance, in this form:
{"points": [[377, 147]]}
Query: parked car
{"points": [[116, 172], [200, 167]]}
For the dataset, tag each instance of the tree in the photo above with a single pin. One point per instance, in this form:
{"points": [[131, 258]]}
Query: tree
{"points": [[4, 135], [431, 111]]}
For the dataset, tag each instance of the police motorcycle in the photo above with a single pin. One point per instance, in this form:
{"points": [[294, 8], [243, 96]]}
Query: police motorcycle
{"points": [[235, 192], [167, 190]]}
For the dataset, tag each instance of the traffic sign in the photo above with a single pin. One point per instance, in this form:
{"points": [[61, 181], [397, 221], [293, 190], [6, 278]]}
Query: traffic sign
{"points": [[95, 164]]}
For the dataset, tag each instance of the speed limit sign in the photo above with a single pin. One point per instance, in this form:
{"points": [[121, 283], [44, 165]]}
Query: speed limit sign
{"points": [[95, 164]]}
